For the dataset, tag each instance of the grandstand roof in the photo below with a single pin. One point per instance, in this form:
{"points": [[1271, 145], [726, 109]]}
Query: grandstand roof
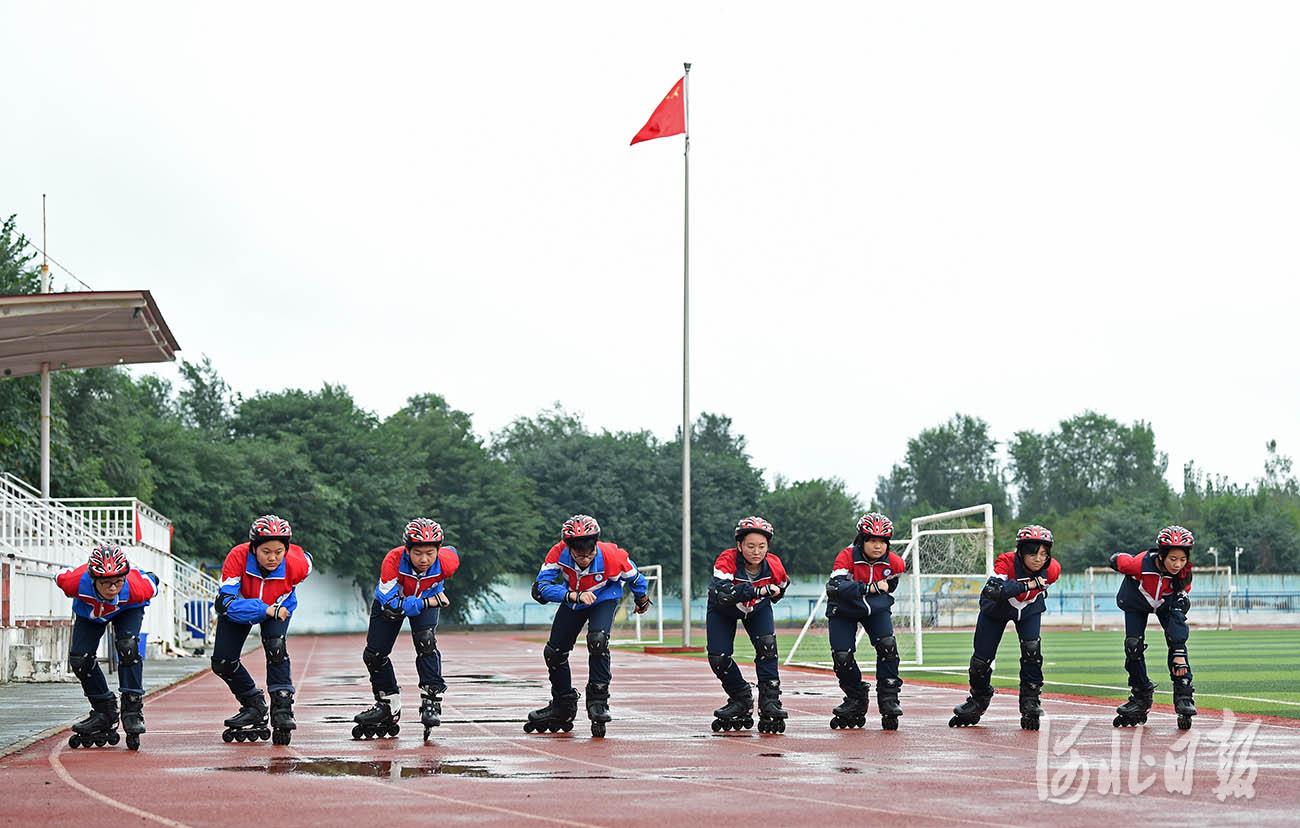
{"points": [[92, 329]]}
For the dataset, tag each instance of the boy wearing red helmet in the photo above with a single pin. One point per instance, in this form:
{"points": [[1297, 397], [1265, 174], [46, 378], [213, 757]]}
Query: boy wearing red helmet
{"points": [[412, 584], [860, 592], [1016, 592], [258, 586], [585, 576], [1156, 581], [106, 589], [747, 581]]}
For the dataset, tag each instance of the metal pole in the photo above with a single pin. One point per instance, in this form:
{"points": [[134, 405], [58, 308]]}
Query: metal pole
{"points": [[686, 366], [45, 370]]}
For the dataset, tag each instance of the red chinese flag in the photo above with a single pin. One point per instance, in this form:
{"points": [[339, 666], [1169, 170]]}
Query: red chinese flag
{"points": [[669, 117]]}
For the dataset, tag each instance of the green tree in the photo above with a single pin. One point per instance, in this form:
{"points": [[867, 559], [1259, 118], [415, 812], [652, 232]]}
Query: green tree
{"points": [[946, 467], [814, 519]]}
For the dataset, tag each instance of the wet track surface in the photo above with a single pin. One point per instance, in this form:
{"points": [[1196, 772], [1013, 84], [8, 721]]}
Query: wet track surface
{"points": [[659, 763]]}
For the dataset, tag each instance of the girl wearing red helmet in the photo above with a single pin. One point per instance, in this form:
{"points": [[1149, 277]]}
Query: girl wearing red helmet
{"points": [[1016, 592], [412, 584], [1156, 581], [585, 576], [106, 589], [747, 581], [258, 587], [860, 593]]}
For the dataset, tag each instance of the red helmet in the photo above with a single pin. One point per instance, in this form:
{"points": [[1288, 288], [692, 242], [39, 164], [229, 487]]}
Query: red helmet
{"points": [[580, 526], [1172, 536], [1034, 534], [753, 523], [269, 527], [876, 525], [107, 561], [422, 530]]}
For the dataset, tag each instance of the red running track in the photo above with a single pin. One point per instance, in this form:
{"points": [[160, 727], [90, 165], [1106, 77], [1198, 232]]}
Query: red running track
{"points": [[659, 765]]}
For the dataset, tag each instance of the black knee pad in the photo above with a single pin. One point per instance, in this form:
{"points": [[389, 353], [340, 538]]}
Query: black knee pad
{"points": [[426, 641], [1031, 651], [128, 650], [225, 667], [764, 647], [721, 664], [980, 670], [82, 664], [374, 660], [554, 658], [887, 648], [1134, 649], [598, 642], [277, 651], [844, 662]]}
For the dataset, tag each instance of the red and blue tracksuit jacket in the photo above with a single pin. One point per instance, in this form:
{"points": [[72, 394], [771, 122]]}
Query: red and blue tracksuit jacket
{"points": [[732, 587], [87, 603], [852, 573], [1147, 587], [247, 592], [605, 576], [1017, 600], [398, 579]]}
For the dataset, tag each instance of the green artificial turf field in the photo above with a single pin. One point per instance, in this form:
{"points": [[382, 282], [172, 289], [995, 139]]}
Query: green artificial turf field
{"points": [[1245, 670]]}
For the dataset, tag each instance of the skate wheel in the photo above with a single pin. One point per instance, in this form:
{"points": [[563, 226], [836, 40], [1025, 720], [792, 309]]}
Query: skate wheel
{"points": [[74, 741], [835, 724], [265, 734], [566, 727], [227, 736], [100, 741], [132, 741], [394, 730], [954, 722], [114, 738], [1184, 722], [281, 737], [889, 723], [597, 730], [1028, 722], [426, 733], [528, 728], [357, 732]]}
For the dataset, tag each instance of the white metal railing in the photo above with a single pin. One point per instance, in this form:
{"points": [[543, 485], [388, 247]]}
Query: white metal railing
{"points": [[59, 532]]}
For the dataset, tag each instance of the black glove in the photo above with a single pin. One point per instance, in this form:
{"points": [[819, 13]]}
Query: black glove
{"points": [[643, 603], [1180, 603], [992, 589], [726, 594]]}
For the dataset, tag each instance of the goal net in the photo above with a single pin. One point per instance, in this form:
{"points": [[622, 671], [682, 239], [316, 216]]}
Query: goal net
{"points": [[949, 556], [647, 628], [1211, 598]]}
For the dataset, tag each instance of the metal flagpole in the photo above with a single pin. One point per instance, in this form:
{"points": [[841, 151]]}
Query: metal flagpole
{"points": [[686, 366], [45, 369]]}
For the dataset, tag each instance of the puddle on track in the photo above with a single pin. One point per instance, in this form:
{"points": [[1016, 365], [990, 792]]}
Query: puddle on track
{"points": [[396, 769]]}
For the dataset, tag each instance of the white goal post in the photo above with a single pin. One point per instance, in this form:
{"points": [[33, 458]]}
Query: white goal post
{"points": [[1211, 596], [631, 628], [949, 556]]}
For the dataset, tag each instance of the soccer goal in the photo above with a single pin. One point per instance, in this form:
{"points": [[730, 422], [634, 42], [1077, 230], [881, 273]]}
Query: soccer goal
{"points": [[1211, 598], [949, 556], [630, 628]]}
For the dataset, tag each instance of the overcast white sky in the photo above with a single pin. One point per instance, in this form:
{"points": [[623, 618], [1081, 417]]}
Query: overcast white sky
{"points": [[899, 210]]}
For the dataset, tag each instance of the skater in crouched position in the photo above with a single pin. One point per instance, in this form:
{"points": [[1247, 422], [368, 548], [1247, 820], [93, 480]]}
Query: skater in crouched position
{"points": [[258, 582], [585, 576], [1156, 581], [412, 584], [106, 590], [860, 592], [747, 581], [1016, 592]]}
